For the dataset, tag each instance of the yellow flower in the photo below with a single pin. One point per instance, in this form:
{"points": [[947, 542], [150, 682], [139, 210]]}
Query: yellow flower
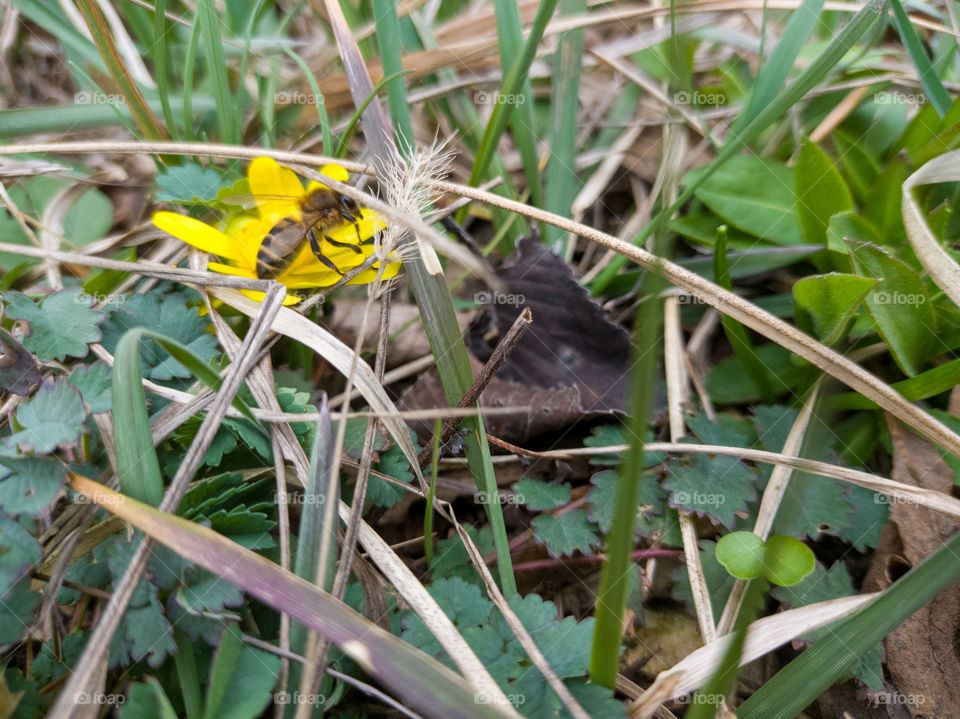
{"points": [[278, 191]]}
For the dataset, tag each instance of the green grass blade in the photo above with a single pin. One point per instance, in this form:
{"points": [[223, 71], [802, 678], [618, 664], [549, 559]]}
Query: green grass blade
{"points": [[142, 115], [388, 42], [161, 28], [612, 594], [227, 116], [821, 66], [935, 90], [800, 682], [189, 63], [512, 86], [736, 333], [562, 181], [428, 513], [318, 100], [773, 73], [137, 466]]}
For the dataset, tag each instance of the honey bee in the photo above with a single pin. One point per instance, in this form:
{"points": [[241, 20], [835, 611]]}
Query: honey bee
{"points": [[320, 210]]}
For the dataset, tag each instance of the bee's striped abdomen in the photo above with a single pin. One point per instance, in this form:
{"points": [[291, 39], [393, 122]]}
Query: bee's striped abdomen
{"points": [[279, 248]]}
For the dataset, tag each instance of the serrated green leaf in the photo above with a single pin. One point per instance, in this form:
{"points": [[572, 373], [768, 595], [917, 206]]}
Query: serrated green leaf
{"points": [[54, 417], [17, 605], [393, 463], [144, 634], [29, 485], [451, 560], [245, 527], [563, 534], [206, 592], [18, 551], [715, 487], [63, 324], [727, 383], [48, 666], [541, 496], [170, 317], [93, 381], [603, 498]]}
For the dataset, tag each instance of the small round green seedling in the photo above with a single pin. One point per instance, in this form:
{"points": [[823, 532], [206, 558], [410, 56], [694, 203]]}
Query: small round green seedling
{"points": [[782, 560]]}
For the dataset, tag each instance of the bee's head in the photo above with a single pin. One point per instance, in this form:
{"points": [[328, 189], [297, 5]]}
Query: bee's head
{"points": [[348, 204]]}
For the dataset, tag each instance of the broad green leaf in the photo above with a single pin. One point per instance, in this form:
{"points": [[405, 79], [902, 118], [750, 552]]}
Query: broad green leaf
{"points": [[63, 324], [899, 305], [727, 383], [189, 183], [882, 205], [829, 302], [820, 192], [93, 381], [563, 534], [16, 609], [849, 226], [541, 496], [786, 561], [741, 554], [53, 417], [147, 700], [241, 679], [859, 164], [18, 552], [711, 486], [603, 498], [753, 194], [29, 485]]}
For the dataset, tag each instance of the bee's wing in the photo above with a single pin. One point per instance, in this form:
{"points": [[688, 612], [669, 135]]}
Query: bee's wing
{"points": [[249, 202]]}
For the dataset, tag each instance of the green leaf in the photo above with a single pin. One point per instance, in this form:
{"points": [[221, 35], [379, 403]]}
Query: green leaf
{"points": [[18, 552], [63, 324], [147, 700], [845, 226], [715, 487], [603, 498], [718, 580], [820, 192], [727, 383], [753, 194], [54, 417], [565, 533], [170, 317], [206, 592], [241, 679], [189, 182], [830, 301], [859, 164], [144, 634], [94, 382], [29, 485], [393, 463], [786, 560], [741, 554], [882, 205], [540, 496], [17, 605], [451, 558], [48, 666], [900, 307]]}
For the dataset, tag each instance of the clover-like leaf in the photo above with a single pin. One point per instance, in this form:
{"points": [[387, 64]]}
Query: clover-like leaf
{"points": [[741, 554], [53, 417], [62, 324], [786, 560]]}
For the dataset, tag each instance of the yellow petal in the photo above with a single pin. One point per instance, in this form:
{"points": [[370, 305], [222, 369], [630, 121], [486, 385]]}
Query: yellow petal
{"points": [[370, 275], [231, 270], [279, 188], [200, 235], [335, 172], [258, 297]]}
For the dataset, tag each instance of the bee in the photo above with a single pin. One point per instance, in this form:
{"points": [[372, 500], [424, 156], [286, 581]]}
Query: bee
{"points": [[321, 210]]}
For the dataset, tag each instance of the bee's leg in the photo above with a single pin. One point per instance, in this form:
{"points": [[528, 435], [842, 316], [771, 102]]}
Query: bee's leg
{"points": [[353, 221], [315, 247], [348, 245]]}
